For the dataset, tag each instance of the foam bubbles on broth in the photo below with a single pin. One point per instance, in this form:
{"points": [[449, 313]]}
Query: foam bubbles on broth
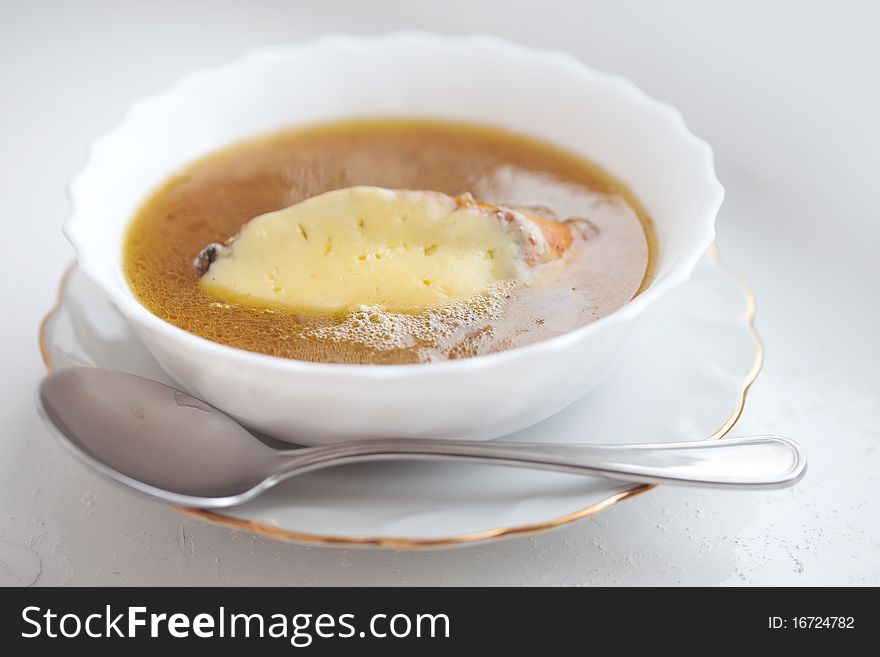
{"points": [[421, 333]]}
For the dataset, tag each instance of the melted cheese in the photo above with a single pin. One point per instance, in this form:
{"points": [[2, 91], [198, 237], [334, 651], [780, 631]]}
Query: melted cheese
{"points": [[368, 246]]}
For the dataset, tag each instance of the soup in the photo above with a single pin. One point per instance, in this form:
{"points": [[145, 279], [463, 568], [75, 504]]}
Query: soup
{"points": [[609, 261]]}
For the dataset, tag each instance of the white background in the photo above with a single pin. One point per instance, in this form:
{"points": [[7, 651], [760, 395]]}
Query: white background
{"points": [[788, 94]]}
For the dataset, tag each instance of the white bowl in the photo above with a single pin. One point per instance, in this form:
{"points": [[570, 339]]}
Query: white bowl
{"points": [[481, 79]]}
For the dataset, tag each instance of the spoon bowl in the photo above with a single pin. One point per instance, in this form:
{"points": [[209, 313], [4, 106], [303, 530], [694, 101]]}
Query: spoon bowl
{"points": [[150, 436]]}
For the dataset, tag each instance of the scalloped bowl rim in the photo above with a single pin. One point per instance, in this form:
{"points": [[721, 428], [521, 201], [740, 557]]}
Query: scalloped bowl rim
{"points": [[680, 270]]}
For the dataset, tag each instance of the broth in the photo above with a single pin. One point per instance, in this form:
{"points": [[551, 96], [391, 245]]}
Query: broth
{"points": [[213, 198]]}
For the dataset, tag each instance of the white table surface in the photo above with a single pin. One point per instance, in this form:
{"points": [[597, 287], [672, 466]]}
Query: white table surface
{"points": [[787, 92]]}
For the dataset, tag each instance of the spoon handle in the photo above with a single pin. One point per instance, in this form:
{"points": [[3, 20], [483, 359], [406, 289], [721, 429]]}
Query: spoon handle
{"points": [[748, 462]]}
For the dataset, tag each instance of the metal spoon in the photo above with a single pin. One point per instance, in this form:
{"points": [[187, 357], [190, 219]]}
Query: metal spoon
{"points": [[168, 444]]}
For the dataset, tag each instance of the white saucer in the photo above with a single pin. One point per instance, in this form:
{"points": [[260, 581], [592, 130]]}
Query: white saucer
{"points": [[683, 376]]}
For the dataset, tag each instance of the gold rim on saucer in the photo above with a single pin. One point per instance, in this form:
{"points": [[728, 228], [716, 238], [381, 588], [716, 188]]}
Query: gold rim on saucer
{"points": [[487, 534]]}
